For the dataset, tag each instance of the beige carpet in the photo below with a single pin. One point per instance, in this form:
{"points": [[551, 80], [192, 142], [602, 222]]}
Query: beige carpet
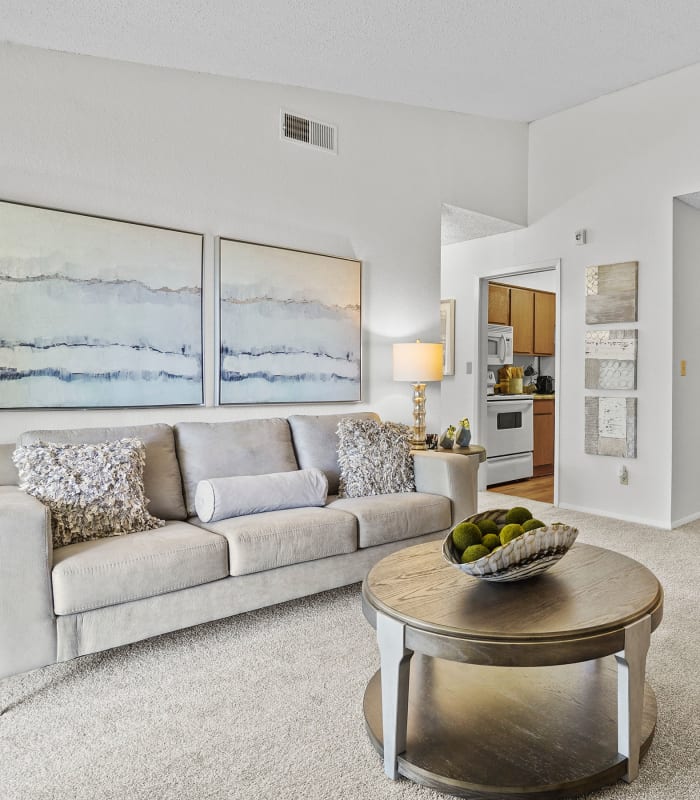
{"points": [[269, 704]]}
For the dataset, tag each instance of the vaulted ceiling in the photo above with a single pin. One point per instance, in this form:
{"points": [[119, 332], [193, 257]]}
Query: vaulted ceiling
{"points": [[510, 59]]}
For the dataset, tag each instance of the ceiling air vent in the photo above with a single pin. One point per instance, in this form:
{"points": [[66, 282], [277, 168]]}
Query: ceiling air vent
{"points": [[311, 132]]}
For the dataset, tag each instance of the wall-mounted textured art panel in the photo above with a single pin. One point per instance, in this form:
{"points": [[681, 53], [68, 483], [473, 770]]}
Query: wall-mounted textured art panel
{"points": [[290, 325], [611, 426], [97, 313], [611, 293], [611, 359]]}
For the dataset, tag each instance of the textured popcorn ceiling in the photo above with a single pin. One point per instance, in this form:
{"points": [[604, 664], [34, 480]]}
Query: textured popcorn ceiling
{"points": [[512, 59], [692, 199], [460, 224]]}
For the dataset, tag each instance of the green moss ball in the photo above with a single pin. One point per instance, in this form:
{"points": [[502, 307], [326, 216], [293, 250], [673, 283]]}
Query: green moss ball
{"points": [[531, 524], [491, 540], [474, 552], [465, 534], [517, 516], [487, 526], [510, 532]]}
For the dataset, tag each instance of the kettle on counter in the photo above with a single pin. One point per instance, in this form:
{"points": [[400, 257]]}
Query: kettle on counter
{"points": [[545, 384]]}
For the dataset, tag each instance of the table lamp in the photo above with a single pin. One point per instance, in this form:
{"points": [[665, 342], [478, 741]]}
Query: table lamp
{"points": [[418, 362]]}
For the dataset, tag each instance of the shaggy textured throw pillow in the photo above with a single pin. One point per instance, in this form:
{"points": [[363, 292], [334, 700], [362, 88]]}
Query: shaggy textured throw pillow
{"points": [[93, 490], [374, 458]]}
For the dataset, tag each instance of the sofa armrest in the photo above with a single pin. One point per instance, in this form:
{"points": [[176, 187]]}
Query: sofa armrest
{"points": [[27, 621], [451, 475]]}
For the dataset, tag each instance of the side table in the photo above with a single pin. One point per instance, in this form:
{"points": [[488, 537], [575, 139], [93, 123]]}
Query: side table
{"points": [[472, 450]]}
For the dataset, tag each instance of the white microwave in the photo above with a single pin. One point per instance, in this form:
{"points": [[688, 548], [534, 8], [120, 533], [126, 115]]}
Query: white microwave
{"points": [[500, 345]]}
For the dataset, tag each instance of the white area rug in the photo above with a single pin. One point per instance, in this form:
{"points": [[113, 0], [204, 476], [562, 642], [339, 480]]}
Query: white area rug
{"points": [[269, 704]]}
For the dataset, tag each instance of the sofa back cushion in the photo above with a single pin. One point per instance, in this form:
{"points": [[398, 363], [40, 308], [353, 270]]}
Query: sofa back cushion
{"points": [[161, 475], [225, 449], [8, 471], [316, 442]]}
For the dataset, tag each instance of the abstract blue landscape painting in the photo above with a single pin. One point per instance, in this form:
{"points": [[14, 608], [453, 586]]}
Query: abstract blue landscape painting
{"points": [[97, 313], [290, 325]]}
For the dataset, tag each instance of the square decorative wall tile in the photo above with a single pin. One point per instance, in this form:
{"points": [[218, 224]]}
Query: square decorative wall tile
{"points": [[611, 426], [611, 359], [611, 293]]}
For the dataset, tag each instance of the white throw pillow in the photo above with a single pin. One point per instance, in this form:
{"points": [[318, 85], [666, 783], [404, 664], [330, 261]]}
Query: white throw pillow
{"points": [[93, 490], [221, 498]]}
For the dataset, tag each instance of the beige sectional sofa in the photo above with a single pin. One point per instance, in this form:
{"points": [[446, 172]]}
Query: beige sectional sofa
{"points": [[57, 604]]}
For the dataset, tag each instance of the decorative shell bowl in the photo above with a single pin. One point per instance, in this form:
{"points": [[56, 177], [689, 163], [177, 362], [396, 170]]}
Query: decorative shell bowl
{"points": [[530, 554]]}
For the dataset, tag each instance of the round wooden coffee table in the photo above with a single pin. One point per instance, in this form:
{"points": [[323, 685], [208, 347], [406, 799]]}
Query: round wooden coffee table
{"points": [[527, 689]]}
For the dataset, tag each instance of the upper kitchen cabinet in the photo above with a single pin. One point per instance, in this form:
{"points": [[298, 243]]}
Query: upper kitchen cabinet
{"points": [[545, 318], [499, 304], [522, 318], [530, 312]]}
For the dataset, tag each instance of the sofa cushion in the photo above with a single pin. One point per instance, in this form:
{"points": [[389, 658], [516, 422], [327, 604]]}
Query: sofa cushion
{"points": [[374, 457], [105, 572], [161, 475], [222, 449], [277, 538], [93, 490], [220, 498], [8, 471], [393, 517], [315, 440]]}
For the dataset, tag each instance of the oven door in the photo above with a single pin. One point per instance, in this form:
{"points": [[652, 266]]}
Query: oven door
{"points": [[509, 427]]}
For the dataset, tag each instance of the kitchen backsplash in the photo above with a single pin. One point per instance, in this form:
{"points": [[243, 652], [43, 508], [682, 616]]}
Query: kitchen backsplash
{"points": [[546, 366]]}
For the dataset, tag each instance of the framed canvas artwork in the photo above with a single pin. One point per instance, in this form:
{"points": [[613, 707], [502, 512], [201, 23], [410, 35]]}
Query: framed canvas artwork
{"points": [[97, 313], [447, 336], [290, 325]]}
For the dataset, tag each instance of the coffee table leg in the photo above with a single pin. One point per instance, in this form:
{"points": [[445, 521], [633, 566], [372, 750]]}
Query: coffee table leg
{"points": [[631, 668], [395, 662]]}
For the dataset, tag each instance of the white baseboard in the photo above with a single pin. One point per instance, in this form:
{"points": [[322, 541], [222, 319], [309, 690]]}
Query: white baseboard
{"points": [[676, 523], [663, 525]]}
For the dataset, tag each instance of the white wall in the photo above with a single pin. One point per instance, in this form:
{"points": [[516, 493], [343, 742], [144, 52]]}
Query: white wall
{"points": [[611, 166], [202, 153], [686, 346], [543, 281]]}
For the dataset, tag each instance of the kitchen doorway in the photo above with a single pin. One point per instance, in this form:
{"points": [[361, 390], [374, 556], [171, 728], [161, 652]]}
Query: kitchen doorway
{"points": [[530, 380]]}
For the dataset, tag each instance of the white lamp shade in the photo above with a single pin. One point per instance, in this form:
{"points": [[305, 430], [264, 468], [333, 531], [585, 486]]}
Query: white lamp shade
{"points": [[418, 362]]}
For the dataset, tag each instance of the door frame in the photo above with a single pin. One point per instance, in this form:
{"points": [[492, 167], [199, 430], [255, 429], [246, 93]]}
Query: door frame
{"points": [[482, 278]]}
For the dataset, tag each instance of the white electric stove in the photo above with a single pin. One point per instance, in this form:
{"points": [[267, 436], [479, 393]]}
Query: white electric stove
{"points": [[509, 437]]}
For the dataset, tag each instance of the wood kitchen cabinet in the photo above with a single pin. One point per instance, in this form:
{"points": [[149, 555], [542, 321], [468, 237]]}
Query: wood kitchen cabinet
{"points": [[544, 323], [522, 318], [532, 314], [543, 423], [499, 304]]}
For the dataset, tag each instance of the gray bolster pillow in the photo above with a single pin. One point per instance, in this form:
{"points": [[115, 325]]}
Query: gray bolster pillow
{"points": [[221, 498]]}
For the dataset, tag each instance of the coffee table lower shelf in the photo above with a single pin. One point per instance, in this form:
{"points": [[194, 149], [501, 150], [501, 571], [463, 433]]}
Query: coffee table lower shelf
{"points": [[488, 732]]}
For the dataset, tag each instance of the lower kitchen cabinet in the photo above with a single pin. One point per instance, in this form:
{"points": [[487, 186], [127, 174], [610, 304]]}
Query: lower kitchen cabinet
{"points": [[543, 432]]}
